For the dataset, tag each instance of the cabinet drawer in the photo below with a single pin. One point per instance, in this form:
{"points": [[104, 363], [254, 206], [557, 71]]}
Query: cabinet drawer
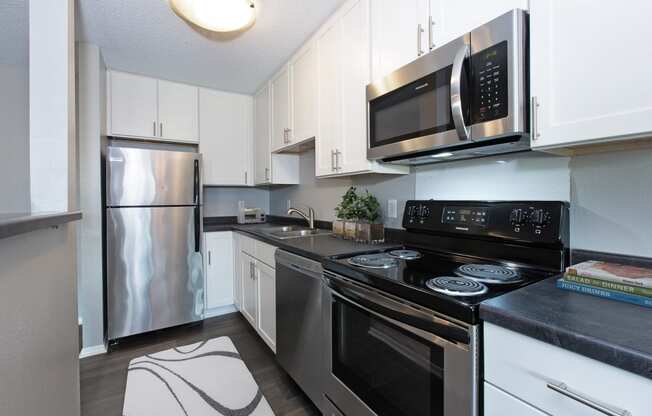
{"points": [[247, 244], [265, 253], [524, 367], [499, 403]]}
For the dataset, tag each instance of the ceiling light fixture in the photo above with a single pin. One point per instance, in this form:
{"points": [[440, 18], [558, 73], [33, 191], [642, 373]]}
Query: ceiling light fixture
{"points": [[216, 15]]}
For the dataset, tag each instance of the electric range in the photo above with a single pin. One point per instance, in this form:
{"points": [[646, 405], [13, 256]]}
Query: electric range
{"points": [[415, 308]]}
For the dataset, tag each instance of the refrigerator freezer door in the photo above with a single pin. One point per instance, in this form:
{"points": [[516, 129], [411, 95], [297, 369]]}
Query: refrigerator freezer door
{"points": [[154, 269], [142, 177]]}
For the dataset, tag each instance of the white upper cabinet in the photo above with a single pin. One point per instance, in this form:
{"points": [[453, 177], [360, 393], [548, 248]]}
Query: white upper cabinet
{"points": [[304, 72], [590, 72], [178, 111], [453, 18], [225, 129], [148, 108], [281, 122], [270, 169], [405, 41], [262, 150], [344, 71], [133, 105]]}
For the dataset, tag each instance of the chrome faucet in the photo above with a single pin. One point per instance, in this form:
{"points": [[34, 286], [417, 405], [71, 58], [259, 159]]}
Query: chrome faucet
{"points": [[310, 218]]}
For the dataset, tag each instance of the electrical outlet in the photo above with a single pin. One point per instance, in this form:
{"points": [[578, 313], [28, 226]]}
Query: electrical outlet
{"points": [[392, 209], [241, 205], [289, 203]]}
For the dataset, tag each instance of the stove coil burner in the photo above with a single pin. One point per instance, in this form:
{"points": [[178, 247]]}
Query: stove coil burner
{"points": [[488, 273], [456, 286], [374, 261], [405, 254]]}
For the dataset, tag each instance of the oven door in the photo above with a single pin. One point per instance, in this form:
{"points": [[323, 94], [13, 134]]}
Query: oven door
{"points": [[385, 357], [421, 106]]}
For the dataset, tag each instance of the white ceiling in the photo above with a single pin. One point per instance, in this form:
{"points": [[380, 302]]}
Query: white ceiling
{"points": [[14, 35], [146, 37]]}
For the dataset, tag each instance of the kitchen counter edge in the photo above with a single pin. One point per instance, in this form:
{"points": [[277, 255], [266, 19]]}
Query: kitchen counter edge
{"points": [[12, 224]]}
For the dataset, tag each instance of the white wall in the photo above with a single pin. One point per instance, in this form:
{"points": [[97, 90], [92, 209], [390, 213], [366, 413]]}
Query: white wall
{"points": [[323, 195], [223, 202], [612, 202], [14, 138], [526, 176], [91, 106]]}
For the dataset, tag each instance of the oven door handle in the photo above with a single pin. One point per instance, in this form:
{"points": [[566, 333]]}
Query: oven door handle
{"points": [[456, 93], [433, 329]]}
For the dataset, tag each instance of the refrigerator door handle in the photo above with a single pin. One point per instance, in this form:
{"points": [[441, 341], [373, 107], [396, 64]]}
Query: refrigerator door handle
{"points": [[196, 184], [197, 229]]}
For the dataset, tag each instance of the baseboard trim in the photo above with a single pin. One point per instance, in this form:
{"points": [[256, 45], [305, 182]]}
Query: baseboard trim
{"points": [[222, 310], [93, 350]]}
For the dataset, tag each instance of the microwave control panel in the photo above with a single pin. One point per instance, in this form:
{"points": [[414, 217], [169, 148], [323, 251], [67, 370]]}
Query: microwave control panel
{"points": [[489, 69]]}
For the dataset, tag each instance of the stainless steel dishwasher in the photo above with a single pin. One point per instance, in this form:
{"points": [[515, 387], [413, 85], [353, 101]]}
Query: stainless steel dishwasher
{"points": [[299, 333]]}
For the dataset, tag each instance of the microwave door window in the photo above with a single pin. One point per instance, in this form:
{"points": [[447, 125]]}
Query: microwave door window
{"points": [[418, 109]]}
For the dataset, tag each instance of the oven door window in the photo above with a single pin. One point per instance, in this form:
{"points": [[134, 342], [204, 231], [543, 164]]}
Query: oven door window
{"points": [[418, 109], [392, 371]]}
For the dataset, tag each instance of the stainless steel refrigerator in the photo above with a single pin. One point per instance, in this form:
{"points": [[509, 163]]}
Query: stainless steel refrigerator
{"points": [[154, 276]]}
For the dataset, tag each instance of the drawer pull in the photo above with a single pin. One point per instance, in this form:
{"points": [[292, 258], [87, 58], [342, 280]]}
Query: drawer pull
{"points": [[564, 390]]}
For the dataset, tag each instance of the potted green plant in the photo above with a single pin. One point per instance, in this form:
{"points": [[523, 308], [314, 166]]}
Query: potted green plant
{"points": [[347, 214], [369, 229]]}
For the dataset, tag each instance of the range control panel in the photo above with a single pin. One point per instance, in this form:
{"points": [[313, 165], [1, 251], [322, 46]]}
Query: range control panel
{"points": [[536, 221]]}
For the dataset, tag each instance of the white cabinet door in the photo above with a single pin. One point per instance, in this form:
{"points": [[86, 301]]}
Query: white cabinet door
{"points": [[281, 109], [133, 105], [590, 79], [178, 111], [225, 129], [237, 272], [219, 269], [453, 18], [351, 152], [329, 119], [499, 403], [266, 279], [262, 150], [304, 94], [249, 288], [391, 49]]}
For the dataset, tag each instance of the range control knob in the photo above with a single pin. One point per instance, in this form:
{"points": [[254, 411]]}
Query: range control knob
{"points": [[411, 213], [518, 217], [539, 218]]}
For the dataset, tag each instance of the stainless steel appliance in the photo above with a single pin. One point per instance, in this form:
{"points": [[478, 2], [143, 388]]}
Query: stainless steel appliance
{"points": [[251, 216], [153, 240], [467, 98], [299, 330], [402, 326]]}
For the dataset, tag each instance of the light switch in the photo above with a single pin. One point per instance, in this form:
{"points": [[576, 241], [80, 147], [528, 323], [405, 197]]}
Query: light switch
{"points": [[392, 209]]}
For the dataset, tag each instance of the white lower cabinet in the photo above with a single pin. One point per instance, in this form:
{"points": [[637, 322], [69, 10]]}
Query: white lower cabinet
{"points": [[257, 281], [219, 268], [500, 403], [529, 370]]}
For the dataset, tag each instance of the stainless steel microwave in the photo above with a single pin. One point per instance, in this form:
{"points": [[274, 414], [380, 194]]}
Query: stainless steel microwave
{"points": [[467, 98]]}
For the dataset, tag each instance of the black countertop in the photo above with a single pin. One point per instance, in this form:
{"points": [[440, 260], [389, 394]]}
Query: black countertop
{"points": [[615, 333], [25, 222], [316, 248]]}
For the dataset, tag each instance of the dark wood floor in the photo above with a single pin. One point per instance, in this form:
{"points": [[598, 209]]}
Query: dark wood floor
{"points": [[103, 377]]}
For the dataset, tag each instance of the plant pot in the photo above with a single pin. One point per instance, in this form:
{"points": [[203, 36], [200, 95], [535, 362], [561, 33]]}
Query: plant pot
{"points": [[370, 233], [350, 230], [338, 227]]}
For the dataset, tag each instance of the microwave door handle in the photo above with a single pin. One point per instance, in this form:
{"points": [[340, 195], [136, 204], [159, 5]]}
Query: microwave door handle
{"points": [[456, 93]]}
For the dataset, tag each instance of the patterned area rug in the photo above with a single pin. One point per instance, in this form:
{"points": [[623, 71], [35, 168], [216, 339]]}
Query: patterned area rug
{"points": [[207, 378]]}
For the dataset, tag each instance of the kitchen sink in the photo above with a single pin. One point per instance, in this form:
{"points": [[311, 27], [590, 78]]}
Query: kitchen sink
{"points": [[284, 233]]}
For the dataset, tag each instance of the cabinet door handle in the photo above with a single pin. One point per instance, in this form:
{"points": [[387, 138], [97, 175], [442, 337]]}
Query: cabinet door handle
{"points": [[289, 136], [246, 178], [209, 257], [154, 128], [332, 159], [266, 174], [431, 35], [419, 33], [608, 410], [535, 118], [337, 160], [161, 130]]}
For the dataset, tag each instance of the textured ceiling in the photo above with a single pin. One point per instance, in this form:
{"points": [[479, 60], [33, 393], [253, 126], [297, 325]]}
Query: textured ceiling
{"points": [[14, 35], [146, 37]]}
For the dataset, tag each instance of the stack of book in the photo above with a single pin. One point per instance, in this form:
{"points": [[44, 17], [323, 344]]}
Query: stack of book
{"points": [[610, 280]]}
